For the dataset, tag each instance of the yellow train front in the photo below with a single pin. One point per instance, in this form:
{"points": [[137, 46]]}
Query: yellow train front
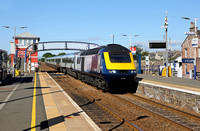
{"points": [[117, 65]]}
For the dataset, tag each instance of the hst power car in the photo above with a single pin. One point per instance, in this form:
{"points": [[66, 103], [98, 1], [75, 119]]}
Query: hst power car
{"points": [[104, 67]]}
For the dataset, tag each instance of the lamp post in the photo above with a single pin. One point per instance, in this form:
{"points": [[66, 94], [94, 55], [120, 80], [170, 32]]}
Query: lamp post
{"points": [[195, 30], [165, 27], [130, 40], [113, 36], [15, 57]]}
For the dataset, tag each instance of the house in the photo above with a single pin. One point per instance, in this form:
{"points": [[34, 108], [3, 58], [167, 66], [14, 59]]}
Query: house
{"points": [[191, 52]]}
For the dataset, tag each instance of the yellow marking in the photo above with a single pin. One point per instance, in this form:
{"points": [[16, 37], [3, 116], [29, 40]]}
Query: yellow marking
{"points": [[119, 66], [33, 121]]}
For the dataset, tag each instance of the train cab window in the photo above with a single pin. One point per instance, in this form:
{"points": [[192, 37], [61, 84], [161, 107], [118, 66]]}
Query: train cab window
{"points": [[120, 57], [101, 60]]}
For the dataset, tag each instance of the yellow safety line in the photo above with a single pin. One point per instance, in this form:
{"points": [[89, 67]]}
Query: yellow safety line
{"points": [[33, 121]]}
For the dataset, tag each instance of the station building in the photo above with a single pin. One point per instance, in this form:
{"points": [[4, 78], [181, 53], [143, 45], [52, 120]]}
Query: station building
{"points": [[22, 41], [189, 51]]}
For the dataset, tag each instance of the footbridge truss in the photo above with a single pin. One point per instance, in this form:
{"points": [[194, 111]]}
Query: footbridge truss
{"points": [[58, 45]]}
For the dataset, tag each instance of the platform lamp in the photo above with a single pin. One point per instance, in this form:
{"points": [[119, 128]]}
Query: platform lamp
{"points": [[130, 40], [195, 28], [15, 57], [113, 37]]}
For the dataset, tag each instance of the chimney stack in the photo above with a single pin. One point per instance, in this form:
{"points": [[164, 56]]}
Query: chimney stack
{"points": [[192, 27]]}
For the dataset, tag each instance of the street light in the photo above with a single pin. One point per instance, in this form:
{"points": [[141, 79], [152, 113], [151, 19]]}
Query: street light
{"points": [[113, 36], [130, 36], [195, 28], [15, 58]]}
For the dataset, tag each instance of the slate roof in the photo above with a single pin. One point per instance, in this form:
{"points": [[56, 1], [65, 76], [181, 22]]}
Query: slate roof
{"points": [[27, 35]]}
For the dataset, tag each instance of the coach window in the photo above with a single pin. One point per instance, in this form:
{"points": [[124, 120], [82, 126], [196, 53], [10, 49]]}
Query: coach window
{"points": [[78, 60]]}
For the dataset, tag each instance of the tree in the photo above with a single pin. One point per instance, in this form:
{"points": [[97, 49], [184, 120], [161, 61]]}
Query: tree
{"points": [[61, 54], [47, 55], [139, 50]]}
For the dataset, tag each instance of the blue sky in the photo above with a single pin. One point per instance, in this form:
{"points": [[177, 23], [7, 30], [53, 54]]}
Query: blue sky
{"points": [[95, 20]]}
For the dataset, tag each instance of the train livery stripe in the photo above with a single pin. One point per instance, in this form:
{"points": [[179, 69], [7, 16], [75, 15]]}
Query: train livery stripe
{"points": [[33, 121], [118, 66]]}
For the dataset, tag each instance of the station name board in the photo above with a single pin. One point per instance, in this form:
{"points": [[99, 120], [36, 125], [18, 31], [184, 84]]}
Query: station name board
{"points": [[187, 60]]}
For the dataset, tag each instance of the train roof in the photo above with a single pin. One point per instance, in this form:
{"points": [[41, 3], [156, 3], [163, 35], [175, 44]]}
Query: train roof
{"points": [[108, 48], [92, 51], [3, 51], [63, 56]]}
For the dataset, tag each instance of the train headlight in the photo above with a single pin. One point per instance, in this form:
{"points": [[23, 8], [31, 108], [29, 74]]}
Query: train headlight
{"points": [[112, 71], [133, 71]]}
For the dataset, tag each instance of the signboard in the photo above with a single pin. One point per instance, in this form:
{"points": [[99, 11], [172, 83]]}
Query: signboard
{"points": [[195, 42], [133, 50], [189, 33], [157, 44], [187, 60]]}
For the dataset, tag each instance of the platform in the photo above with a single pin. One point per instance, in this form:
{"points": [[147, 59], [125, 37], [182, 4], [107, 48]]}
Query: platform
{"points": [[176, 91], [62, 112], [35, 101]]}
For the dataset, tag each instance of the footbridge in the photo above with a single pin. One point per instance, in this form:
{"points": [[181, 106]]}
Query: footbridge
{"points": [[57, 45]]}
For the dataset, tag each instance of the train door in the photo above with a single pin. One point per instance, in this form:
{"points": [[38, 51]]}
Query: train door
{"points": [[75, 62], [98, 64], [82, 64]]}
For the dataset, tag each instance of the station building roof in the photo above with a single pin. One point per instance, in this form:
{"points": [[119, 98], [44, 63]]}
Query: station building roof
{"points": [[26, 35]]}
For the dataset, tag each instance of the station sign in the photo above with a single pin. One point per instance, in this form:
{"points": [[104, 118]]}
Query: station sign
{"points": [[195, 42], [157, 44], [133, 50], [187, 60], [189, 33]]}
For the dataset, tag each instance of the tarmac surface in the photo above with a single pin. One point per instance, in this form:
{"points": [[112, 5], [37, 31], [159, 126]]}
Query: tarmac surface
{"points": [[16, 100], [36, 102]]}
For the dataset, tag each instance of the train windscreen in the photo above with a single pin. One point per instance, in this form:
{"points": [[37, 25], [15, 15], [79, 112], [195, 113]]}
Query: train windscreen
{"points": [[120, 57]]}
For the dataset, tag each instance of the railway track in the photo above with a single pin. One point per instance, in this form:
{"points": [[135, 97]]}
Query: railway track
{"points": [[174, 119], [105, 118], [178, 117]]}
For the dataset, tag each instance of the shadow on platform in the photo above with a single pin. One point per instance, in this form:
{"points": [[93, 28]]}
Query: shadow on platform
{"points": [[29, 96], [53, 121]]}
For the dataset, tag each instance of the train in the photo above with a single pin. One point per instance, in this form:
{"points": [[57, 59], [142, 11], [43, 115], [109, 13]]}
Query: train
{"points": [[104, 67], [3, 66]]}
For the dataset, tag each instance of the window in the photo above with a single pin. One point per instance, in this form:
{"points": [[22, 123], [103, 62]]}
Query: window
{"points": [[185, 68], [29, 42], [120, 57], [79, 60], [20, 42], [25, 42], [185, 52], [199, 52]]}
